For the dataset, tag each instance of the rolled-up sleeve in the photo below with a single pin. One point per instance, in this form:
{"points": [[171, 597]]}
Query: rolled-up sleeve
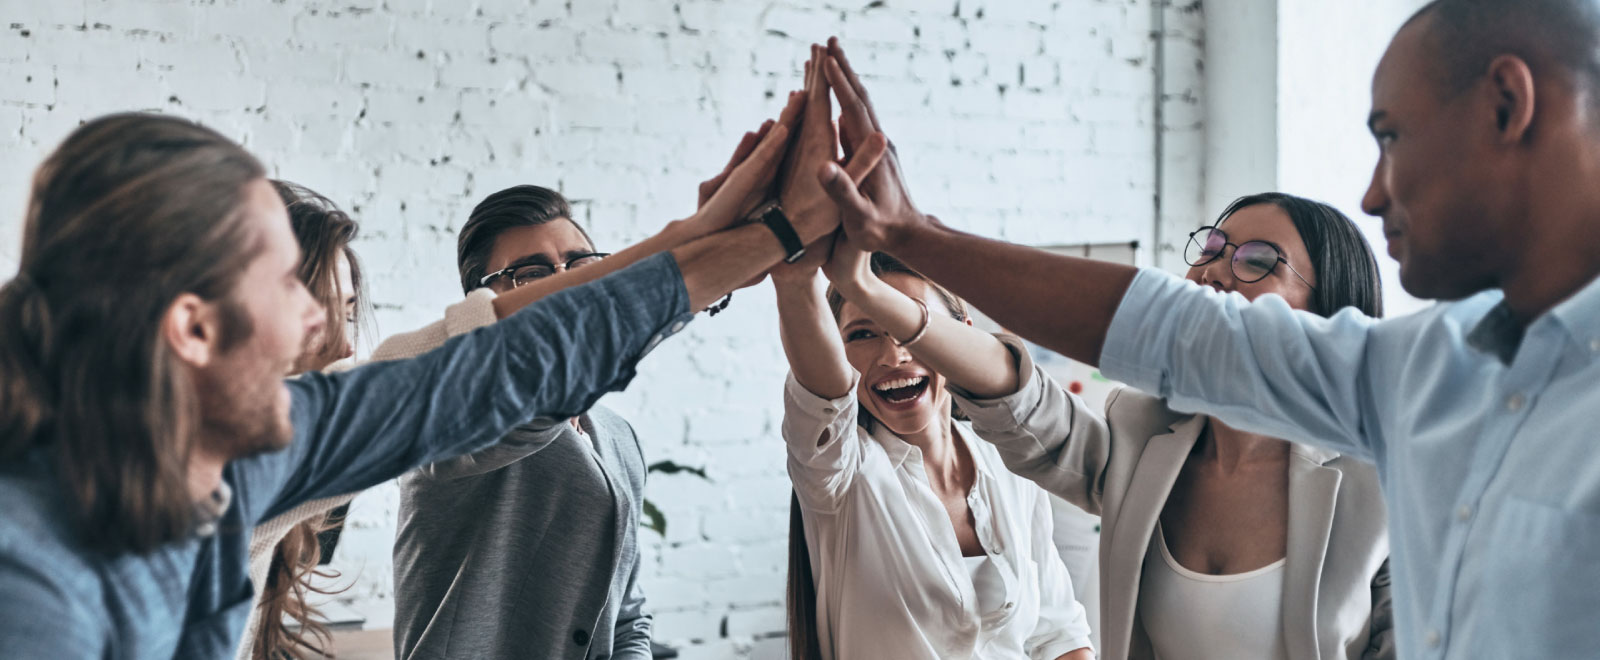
{"points": [[824, 444], [1044, 433], [1262, 367], [549, 361]]}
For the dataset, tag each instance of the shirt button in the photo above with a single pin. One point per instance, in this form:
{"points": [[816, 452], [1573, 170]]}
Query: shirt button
{"points": [[654, 341], [1008, 605], [1464, 513], [677, 326], [1515, 402], [1432, 638], [829, 411], [580, 637], [1594, 345]]}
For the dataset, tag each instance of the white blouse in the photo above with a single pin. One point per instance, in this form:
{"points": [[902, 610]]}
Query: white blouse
{"points": [[1195, 616], [890, 578]]}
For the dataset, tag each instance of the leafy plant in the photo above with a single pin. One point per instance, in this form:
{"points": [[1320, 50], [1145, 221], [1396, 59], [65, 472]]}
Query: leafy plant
{"points": [[653, 518]]}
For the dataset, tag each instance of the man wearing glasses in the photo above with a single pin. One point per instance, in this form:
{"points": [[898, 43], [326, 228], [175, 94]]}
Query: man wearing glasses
{"points": [[527, 547]]}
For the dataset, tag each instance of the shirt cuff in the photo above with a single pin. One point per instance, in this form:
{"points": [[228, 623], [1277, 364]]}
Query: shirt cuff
{"points": [[661, 272], [1140, 335], [1053, 651]]}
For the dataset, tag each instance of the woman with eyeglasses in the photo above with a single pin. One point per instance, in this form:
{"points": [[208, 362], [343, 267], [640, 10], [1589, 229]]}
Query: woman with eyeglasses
{"points": [[1216, 544]]}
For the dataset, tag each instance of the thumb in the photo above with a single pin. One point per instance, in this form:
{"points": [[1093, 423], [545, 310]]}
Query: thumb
{"points": [[866, 155], [843, 191]]}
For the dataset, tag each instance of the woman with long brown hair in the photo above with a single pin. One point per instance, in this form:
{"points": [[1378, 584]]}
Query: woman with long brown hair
{"points": [[285, 551], [909, 537]]}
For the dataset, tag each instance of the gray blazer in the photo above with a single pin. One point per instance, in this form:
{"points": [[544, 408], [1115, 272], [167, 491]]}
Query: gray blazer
{"points": [[1121, 466], [526, 549]]}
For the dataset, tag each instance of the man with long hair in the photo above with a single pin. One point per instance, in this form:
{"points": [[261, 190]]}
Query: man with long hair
{"points": [[145, 426]]}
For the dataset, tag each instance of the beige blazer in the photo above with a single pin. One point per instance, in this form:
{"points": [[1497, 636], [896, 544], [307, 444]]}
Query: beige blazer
{"points": [[1122, 465]]}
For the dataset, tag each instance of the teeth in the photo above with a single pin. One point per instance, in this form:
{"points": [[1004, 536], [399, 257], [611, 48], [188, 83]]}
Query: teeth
{"points": [[899, 383]]}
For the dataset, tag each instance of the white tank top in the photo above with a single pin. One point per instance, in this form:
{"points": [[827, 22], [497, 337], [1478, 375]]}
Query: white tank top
{"points": [[1194, 616]]}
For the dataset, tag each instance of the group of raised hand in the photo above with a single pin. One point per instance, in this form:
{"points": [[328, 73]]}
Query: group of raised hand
{"points": [[841, 184]]}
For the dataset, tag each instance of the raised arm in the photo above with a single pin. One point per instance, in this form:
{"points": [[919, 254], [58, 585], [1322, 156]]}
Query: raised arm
{"points": [[879, 216], [819, 403], [971, 359], [810, 337], [717, 264], [1259, 367], [724, 200]]}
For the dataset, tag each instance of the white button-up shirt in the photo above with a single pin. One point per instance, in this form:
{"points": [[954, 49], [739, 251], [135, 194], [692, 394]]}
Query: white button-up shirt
{"points": [[1486, 446], [891, 582]]}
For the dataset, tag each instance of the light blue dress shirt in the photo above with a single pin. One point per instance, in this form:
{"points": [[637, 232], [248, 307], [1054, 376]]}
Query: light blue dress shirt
{"points": [[1488, 453]]}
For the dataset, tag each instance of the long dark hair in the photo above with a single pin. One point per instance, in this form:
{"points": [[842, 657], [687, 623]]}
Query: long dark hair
{"points": [[323, 231], [802, 599], [130, 212], [1346, 270]]}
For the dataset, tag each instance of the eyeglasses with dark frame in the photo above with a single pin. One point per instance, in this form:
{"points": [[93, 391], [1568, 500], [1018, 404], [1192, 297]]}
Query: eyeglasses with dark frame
{"points": [[1252, 261], [520, 275]]}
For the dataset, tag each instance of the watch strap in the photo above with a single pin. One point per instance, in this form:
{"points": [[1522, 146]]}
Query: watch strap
{"points": [[776, 221]]}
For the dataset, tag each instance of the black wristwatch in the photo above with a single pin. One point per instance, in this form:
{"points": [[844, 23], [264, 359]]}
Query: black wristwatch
{"points": [[772, 216]]}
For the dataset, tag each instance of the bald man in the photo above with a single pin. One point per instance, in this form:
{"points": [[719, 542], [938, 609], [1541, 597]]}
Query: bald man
{"points": [[1480, 412]]}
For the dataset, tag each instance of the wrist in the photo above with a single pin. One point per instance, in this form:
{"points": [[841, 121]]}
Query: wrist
{"points": [[811, 220], [795, 281], [858, 288], [898, 234], [688, 229]]}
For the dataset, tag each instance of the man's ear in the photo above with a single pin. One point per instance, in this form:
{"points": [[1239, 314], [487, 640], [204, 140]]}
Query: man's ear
{"points": [[1511, 83], [191, 327]]}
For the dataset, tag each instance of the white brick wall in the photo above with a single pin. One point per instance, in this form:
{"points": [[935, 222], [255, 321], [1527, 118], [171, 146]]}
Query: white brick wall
{"points": [[1027, 120]]}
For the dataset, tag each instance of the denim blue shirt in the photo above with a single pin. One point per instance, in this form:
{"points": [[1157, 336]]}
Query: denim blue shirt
{"points": [[60, 599], [1486, 449]]}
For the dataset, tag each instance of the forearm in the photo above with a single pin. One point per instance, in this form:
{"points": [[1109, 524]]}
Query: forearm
{"points": [[552, 360], [969, 358], [811, 339], [716, 264], [676, 233], [1059, 302]]}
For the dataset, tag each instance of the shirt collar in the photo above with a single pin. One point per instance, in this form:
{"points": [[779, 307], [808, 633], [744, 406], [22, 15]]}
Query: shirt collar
{"points": [[1500, 334], [899, 450], [208, 511], [1580, 315]]}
